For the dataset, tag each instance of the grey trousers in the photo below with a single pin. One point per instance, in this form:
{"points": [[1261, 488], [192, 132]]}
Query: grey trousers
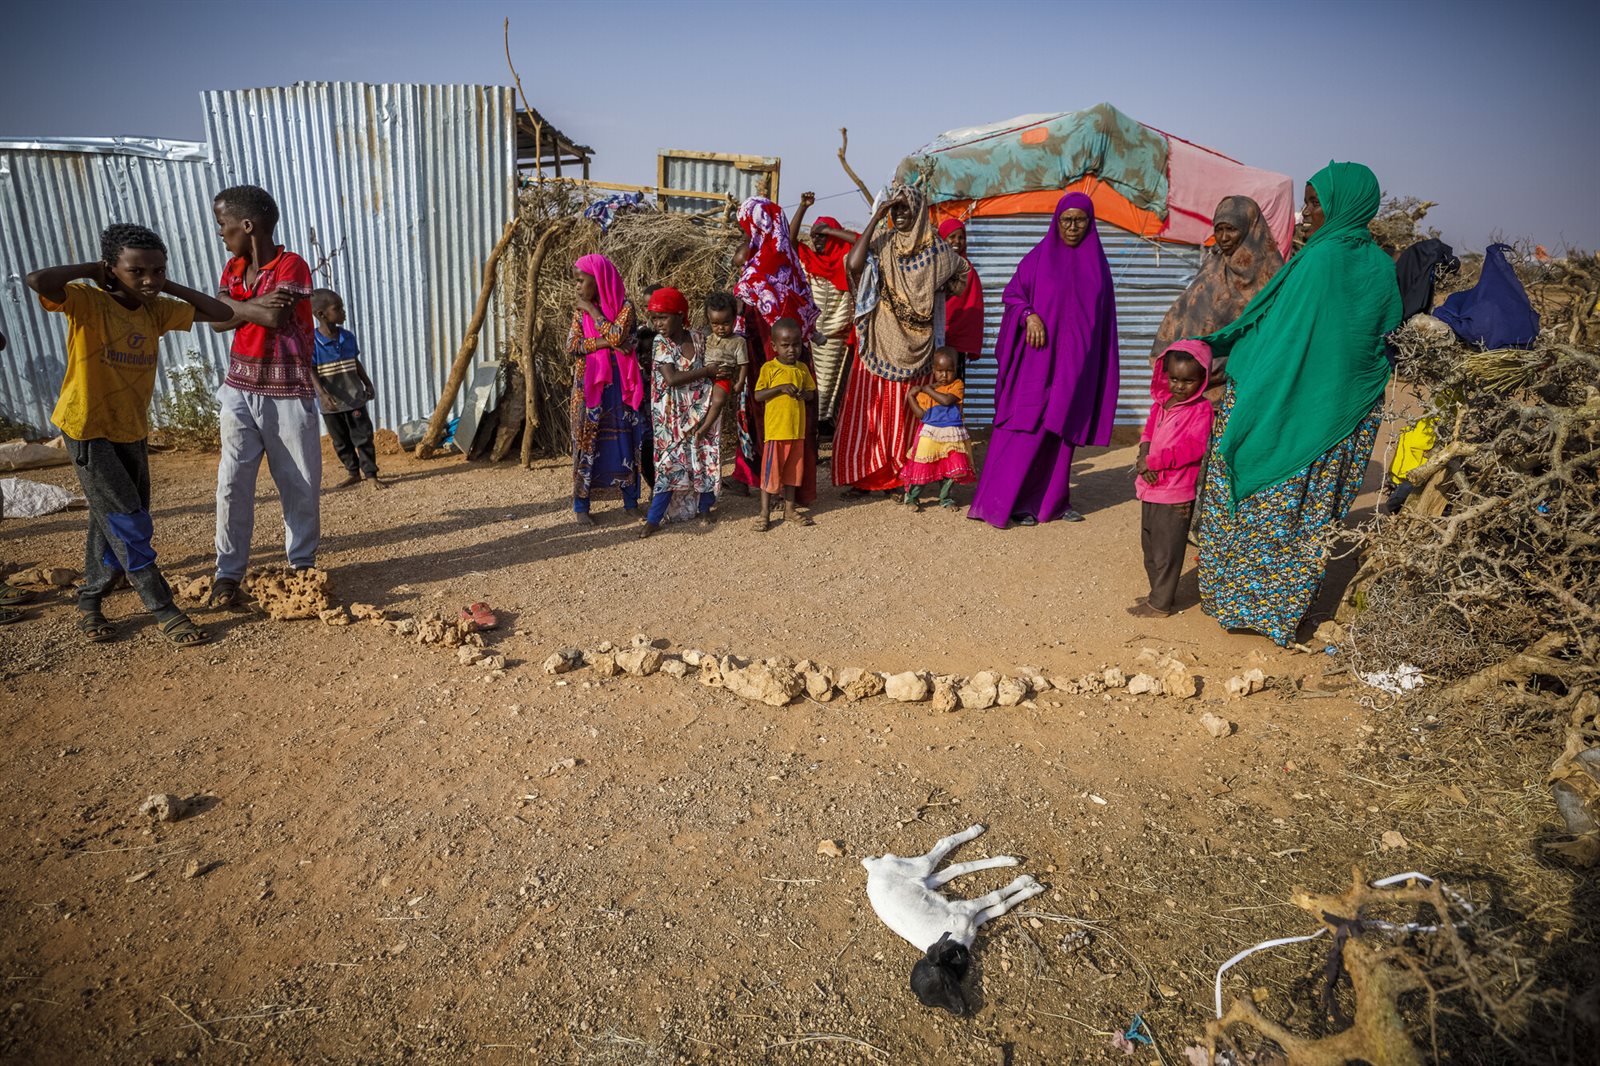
{"points": [[288, 434], [116, 481]]}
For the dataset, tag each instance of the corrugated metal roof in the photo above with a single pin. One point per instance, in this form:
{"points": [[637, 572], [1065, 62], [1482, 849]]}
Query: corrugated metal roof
{"points": [[719, 176], [413, 181], [1147, 278]]}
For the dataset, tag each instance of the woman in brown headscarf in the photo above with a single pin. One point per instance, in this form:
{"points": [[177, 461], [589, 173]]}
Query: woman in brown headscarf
{"points": [[1241, 262], [901, 274]]}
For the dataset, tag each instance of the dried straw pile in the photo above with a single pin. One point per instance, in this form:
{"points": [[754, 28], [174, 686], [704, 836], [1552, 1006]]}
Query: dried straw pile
{"points": [[693, 253]]}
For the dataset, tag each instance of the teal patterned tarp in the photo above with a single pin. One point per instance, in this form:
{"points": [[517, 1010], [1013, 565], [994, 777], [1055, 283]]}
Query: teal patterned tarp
{"points": [[1127, 155]]}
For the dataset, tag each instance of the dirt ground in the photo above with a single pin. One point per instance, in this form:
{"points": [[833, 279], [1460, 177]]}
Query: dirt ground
{"points": [[405, 858]]}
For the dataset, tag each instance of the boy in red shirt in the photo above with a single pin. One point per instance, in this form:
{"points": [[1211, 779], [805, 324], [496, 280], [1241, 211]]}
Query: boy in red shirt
{"points": [[268, 403]]}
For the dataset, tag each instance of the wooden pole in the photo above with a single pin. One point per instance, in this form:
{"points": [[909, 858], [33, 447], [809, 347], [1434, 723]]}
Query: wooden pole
{"points": [[530, 336], [469, 344]]}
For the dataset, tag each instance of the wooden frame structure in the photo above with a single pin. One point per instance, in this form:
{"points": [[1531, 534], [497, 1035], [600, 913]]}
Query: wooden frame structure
{"points": [[541, 147]]}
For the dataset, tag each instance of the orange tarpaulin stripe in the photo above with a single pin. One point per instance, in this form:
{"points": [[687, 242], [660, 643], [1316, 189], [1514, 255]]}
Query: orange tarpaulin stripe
{"points": [[1109, 206]]}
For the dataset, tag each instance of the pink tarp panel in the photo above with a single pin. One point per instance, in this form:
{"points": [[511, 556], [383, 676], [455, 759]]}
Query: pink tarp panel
{"points": [[1197, 178]]}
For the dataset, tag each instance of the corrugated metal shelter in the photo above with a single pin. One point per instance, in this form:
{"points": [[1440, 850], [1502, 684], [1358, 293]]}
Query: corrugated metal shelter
{"points": [[1147, 277], [717, 174], [403, 189], [1153, 195]]}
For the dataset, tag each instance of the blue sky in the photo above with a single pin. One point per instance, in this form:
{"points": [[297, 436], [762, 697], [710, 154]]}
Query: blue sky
{"points": [[1488, 108]]}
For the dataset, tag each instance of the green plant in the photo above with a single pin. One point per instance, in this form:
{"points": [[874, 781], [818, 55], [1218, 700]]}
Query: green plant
{"points": [[187, 416]]}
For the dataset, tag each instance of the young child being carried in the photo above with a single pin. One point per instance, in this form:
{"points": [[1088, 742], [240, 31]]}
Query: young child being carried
{"points": [[783, 387], [344, 389], [943, 450], [114, 328], [725, 350], [1171, 449]]}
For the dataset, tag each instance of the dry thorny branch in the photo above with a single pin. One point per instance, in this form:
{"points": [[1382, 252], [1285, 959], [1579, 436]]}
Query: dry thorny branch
{"points": [[1411, 953]]}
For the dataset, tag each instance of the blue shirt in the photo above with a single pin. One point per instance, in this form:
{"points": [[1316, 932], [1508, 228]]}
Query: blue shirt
{"points": [[338, 368]]}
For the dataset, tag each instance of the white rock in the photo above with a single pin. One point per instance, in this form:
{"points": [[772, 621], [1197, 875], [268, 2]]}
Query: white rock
{"points": [[604, 664], [674, 667], [563, 661], [906, 687], [819, 683], [773, 685], [710, 672], [1216, 725], [692, 656], [467, 655], [980, 691], [640, 661], [1011, 691], [945, 698], [494, 661], [1113, 677], [1144, 684]]}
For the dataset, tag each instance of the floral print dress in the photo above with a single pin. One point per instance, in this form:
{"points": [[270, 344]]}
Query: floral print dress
{"points": [[1262, 565], [686, 465]]}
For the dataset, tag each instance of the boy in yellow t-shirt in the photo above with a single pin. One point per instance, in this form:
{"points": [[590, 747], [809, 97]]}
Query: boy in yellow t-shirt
{"points": [[114, 328], [784, 387]]}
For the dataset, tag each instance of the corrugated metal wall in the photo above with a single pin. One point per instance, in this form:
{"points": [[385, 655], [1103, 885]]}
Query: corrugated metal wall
{"points": [[414, 181], [1147, 278], [709, 175], [53, 205]]}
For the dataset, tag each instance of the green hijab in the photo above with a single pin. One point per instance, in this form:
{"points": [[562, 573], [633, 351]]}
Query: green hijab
{"points": [[1307, 354]]}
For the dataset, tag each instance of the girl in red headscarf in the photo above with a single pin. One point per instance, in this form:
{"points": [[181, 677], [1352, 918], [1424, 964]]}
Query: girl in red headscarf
{"points": [[823, 256], [963, 311]]}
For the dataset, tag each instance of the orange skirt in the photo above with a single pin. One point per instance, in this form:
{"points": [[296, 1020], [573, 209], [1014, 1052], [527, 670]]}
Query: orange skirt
{"points": [[783, 464]]}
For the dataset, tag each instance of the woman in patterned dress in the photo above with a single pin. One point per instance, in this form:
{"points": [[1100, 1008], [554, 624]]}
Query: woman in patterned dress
{"points": [[688, 464], [1295, 428], [901, 274], [607, 389]]}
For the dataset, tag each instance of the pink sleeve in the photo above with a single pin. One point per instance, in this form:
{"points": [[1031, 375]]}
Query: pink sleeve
{"points": [[1148, 434]]}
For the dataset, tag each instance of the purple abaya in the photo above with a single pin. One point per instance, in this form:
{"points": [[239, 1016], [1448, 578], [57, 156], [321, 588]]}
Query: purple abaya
{"points": [[1049, 400]]}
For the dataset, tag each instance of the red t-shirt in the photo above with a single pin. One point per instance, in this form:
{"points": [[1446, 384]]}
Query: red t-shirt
{"points": [[272, 362]]}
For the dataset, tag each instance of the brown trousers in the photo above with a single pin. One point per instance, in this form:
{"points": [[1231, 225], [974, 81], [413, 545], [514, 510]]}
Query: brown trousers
{"points": [[1164, 534]]}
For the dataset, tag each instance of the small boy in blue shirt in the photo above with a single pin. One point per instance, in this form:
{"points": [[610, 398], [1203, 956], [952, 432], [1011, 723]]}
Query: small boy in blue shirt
{"points": [[344, 390]]}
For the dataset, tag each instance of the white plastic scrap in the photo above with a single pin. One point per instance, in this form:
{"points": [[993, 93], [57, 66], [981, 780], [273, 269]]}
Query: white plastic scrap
{"points": [[1403, 678]]}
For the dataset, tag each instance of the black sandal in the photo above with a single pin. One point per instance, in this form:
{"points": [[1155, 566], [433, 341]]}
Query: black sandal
{"points": [[224, 593], [95, 627], [183, 633]]}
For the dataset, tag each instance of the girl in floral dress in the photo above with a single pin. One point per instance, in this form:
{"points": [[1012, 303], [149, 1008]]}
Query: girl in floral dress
{"points": [[688, 465]]}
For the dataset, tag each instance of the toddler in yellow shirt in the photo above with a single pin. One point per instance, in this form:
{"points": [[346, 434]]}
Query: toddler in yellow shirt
{"points": [[783, 388]]}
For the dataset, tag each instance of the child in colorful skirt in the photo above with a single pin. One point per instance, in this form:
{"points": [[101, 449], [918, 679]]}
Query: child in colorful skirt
{"points": [[943, 450], [784, 387]]}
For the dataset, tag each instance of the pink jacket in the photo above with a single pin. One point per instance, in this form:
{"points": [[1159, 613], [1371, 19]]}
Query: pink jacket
{"points": [[1177, 436]]}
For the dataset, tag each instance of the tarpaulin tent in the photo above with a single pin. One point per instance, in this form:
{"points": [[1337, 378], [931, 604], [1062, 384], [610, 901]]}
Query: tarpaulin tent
{"points": [[1153, 195]]}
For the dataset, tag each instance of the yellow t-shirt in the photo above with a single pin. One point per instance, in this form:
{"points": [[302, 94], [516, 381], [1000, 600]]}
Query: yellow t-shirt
{"points": [[785, 415], [111, 362]]}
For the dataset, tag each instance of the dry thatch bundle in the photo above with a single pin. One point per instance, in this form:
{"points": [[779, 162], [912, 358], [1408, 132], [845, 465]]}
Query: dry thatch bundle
{"points": [[692, 253]]}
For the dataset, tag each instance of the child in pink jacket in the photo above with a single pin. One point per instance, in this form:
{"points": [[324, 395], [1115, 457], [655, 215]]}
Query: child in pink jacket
{"points": [[1171, 449]]}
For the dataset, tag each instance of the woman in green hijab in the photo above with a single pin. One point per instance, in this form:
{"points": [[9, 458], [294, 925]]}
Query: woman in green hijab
{"points": [[1294, 431]]}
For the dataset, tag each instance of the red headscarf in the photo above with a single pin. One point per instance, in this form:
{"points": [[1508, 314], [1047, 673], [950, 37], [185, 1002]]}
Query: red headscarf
{"points": [[668, 302], [963, 312], [828, 263], [773, 281]]}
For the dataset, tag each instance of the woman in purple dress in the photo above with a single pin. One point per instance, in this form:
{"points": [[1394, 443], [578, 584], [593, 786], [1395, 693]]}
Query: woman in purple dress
{"points": [[1056, 373]]}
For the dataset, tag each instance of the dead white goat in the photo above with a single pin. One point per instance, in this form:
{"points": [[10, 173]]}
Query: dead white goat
{"points": [[904, 894]]}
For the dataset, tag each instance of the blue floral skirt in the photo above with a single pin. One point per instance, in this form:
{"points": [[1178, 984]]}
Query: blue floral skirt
{"points": [[1262, 565]]}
